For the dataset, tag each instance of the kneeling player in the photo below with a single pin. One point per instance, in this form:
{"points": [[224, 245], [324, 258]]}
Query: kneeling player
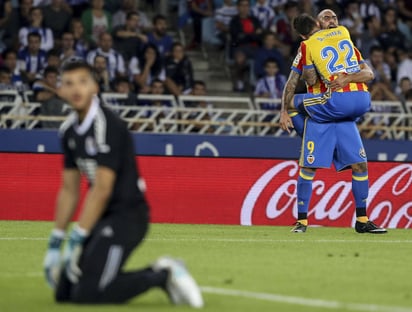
{"points": [[114, 218]]}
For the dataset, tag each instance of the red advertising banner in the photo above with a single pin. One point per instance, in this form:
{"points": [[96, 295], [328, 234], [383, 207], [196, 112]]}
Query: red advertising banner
{"points": [[219, 191]]}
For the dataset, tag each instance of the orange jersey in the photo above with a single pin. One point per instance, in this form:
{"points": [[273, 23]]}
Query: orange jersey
{"points": [[331, 51]]}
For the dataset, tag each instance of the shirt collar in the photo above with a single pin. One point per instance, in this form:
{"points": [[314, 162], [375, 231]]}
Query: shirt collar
{"points": [[88, 120]]}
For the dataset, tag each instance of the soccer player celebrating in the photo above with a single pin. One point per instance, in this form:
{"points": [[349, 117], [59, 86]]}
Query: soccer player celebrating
{"points": [[114, 217], [333, 139]]}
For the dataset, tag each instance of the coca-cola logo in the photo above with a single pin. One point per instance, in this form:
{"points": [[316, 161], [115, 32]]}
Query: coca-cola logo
{"points": [[389, 202]]}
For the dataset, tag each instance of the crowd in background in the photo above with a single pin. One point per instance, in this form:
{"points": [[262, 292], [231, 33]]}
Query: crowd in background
{"points": [[133, 52]]}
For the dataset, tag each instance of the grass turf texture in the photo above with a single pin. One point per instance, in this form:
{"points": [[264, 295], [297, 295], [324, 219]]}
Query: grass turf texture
{"points": [[332, 264]]}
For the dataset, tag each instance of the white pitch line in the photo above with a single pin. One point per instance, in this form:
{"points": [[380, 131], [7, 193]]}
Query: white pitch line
{"points": [[318, 303], [308, 302], [245, 240]]}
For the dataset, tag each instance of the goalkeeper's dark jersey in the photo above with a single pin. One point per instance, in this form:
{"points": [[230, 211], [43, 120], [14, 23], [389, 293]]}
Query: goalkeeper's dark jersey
{"points": [[102, 139]]}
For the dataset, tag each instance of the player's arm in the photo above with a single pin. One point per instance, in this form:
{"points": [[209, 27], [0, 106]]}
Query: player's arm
{"points": [[287, 97], [310, 75], [67, 198], [364, 75], [97, 198]]}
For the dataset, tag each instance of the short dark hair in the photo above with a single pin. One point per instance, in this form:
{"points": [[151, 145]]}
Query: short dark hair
{"points": [[156, 81], [158, 17], [240, 1], [7, 52], [131, 13], [177, 44], [35, 8], [404, 79], [33, 34], [50, 70], [304, 24], [199, 83], [271, 60], [72, 65], [375, 48], [53, 52], [120, 80], [291, 5]]}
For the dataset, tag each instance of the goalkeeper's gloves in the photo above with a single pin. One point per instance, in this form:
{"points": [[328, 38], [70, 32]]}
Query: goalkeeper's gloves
{"points": [[72, 253], [52, 261]]}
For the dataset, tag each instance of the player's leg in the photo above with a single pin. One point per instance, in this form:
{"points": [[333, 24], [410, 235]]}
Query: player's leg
{"points": [[351, 153], [104, 254], [338, 106], [317, 152]]}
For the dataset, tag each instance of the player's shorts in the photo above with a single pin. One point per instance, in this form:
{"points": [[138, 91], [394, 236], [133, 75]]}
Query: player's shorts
{"points": [[336, 106], [326, 143]]}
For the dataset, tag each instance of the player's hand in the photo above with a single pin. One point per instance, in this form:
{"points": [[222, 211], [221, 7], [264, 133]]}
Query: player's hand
{"points": [[285, 121], [52, 261], [341, 81], [72, 253]]}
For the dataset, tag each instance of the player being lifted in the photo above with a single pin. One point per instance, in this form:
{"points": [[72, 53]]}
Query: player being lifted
{"points": [[114, 218], [337, 138]]}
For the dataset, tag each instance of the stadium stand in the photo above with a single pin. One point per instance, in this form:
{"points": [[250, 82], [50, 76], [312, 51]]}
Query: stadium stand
{"points": [[229, 106]]}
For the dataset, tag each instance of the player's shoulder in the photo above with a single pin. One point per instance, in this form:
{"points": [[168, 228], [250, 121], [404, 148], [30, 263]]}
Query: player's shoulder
{"points": [[108, 119], [67, 124]]}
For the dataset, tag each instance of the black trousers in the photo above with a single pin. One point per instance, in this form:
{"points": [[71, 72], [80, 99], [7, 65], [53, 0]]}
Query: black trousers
{"points": [[104, 254]]}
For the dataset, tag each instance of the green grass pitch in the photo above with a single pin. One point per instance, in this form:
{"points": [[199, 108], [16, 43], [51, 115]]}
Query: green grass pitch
{"points": [[240, 268]]}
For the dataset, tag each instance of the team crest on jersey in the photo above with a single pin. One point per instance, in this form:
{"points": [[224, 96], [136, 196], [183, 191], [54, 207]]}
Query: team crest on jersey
{"points": [[90, 146], [310, 158], [72, 144], [362, 153]]}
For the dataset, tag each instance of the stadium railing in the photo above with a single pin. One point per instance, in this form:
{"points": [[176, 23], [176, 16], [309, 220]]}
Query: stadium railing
{"points": [[207, 115]]}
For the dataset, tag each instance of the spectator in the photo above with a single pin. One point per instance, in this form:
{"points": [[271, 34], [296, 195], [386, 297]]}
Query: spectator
{"points": [[390, 34], [268, 51], [241, 72], [179, 71], [368, 38], [404, 9], [199, 89], [405, 86], [381, 92], [57, 17], [390, 58], [78, 7], [223, 16], [96, 21], [122, 86], [333, 5], [370, 8], [353, 20], [32, 59], [10, 61], [159, 36], [380, 69], [264, 13], [127, 38], [102, 73], [146, 68], [36, 25], [271, 86], [46, 92], [284, 28], [115, 61], [157, 87], [404, 65], [199, 9], [68, 51], [119, 18], [81, 45], [5, 80], [15, 19], [5, 12], [245, 30]]}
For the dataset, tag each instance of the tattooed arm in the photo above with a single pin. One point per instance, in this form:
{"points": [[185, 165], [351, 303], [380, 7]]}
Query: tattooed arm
{"points": [[310, 75], [287, 97]]}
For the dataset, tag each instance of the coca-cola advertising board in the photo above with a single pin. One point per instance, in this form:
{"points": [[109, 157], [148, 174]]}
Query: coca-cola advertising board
{"points": [[219, 191]]}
